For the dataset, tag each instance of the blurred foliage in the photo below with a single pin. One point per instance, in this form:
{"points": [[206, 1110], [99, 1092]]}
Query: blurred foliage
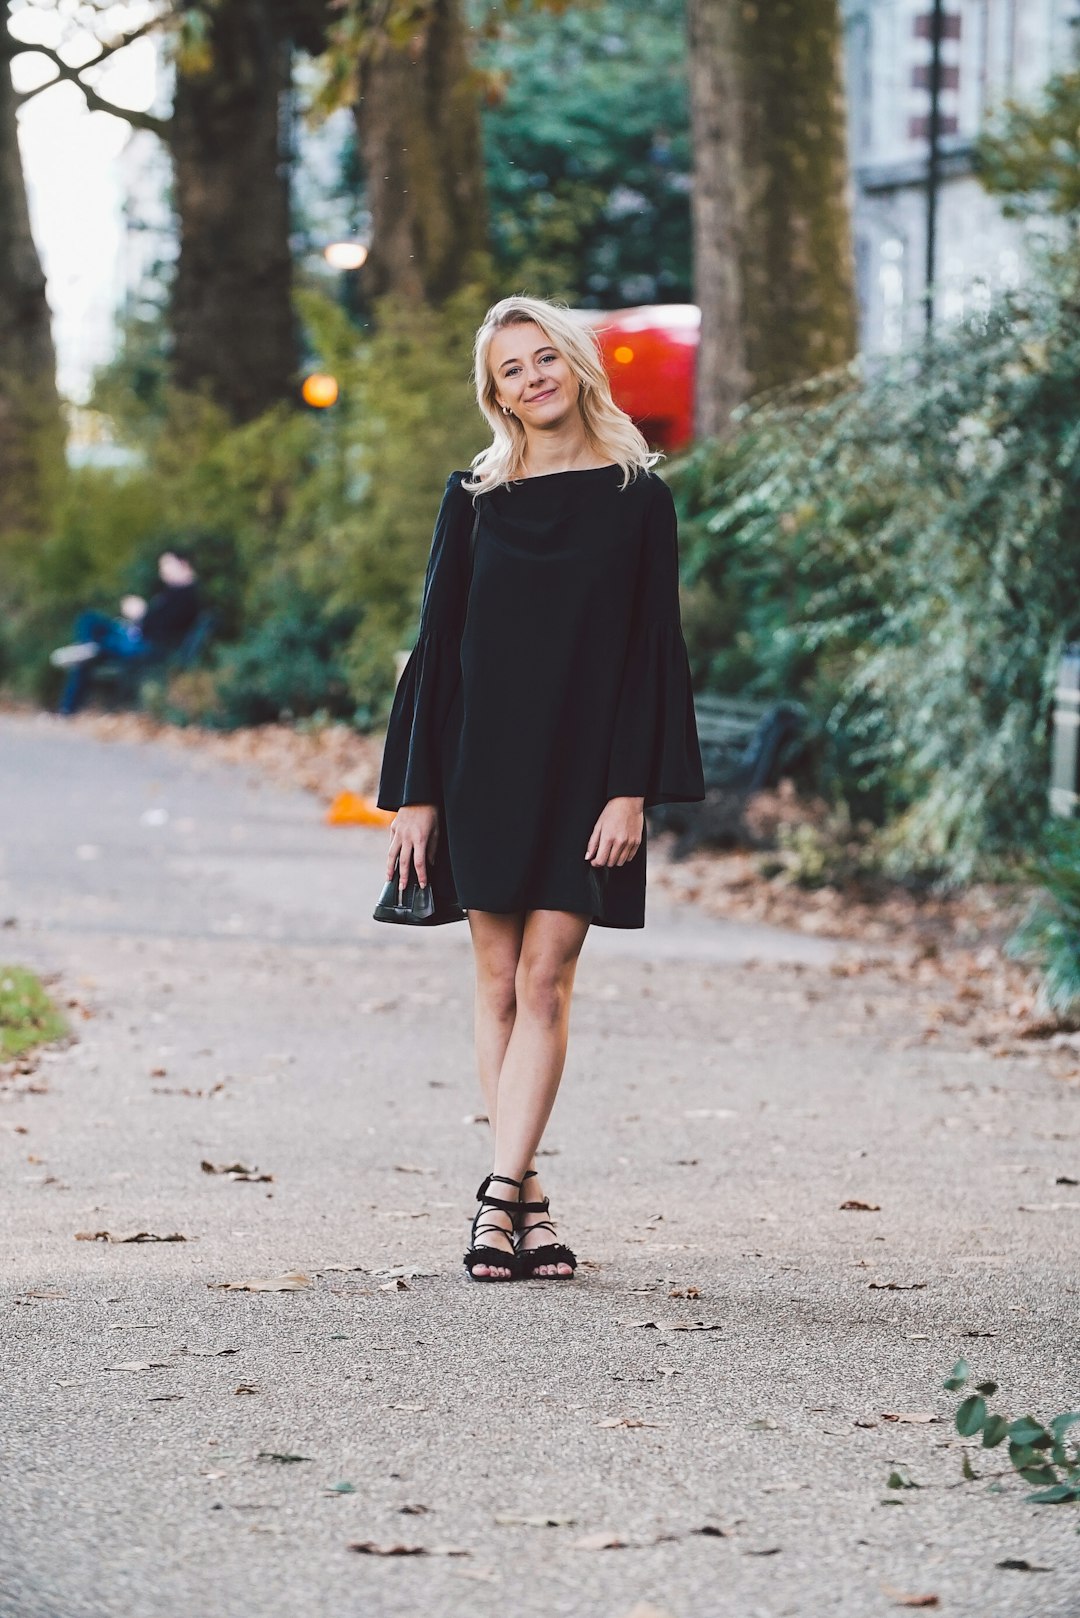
{"points": [[1030, 155], [1049, 936], [587, 152], [310, 530], [27, 1015], [900, 551]]}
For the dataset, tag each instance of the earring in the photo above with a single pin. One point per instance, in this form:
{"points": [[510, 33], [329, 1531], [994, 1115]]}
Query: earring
{"points": [[506, 410]]}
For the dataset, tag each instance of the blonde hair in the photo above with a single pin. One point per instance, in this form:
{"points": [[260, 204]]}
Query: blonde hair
{"points": [[609, 430]]}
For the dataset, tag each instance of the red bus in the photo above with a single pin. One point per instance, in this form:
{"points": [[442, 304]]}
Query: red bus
{"points": [[649, 354]]}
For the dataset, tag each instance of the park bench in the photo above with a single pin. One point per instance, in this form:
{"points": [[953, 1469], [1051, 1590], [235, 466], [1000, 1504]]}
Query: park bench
{"points": [[746, 746], [124, 680]]}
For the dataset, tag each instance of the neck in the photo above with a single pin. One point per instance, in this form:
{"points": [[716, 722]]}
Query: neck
{"points": [[561, 448]]}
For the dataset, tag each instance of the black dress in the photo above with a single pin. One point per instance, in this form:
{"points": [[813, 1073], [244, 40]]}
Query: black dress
{"points": [[546, 679]]}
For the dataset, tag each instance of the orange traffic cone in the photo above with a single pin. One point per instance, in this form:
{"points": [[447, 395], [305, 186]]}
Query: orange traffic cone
{"points": [[350, 809]]}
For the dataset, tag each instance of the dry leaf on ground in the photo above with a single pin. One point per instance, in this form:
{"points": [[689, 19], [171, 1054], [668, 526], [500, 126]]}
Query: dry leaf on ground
{"points": [[853, 1205], [902, 1600], [134, 1236], [236, 1171], [601, 1542], [897, 1286], [140, 1365], [676, 1325], [1020, 1564], [292, 1281], [627, 1421], [917, 1417], [368, 1547]]}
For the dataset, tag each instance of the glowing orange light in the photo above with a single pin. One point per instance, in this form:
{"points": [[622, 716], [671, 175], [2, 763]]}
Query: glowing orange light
{"points": [[320, 391], [624, 355], [345, 255]]}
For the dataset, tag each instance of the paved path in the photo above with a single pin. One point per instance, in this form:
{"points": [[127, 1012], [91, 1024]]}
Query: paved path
{"points": [[725, 1093]]}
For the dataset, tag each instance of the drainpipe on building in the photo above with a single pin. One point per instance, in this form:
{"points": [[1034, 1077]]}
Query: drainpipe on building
{"points": [[933, 159]]}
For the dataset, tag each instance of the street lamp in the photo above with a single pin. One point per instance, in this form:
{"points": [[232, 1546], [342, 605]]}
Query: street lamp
{"points": [[345, 255]]}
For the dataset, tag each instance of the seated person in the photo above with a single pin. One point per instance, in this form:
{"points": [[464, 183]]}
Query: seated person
{"points": [[144, 629]]}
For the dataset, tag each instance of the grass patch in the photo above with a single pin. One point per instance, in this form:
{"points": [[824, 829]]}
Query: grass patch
{"points": [[27, 1015]]}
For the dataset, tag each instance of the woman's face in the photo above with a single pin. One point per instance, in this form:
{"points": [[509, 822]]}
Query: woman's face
{"points": [[531, 376]]}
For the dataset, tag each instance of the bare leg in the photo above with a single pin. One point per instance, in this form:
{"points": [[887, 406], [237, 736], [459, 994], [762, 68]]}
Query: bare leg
{"points": [[525, 977]]}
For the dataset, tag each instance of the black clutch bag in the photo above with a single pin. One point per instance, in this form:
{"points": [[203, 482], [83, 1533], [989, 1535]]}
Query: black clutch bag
{"points": [[417, 906]]}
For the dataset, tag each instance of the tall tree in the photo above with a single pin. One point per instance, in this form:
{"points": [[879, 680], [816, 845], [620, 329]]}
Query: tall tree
{"points": [[231, 318], [233, 329], [772, 234], [31, 433], [418, 129]]}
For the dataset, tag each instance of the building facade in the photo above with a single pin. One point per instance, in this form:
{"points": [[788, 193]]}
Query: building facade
{"points": [[993, 51]]}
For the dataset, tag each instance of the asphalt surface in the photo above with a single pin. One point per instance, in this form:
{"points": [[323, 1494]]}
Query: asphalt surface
{"points": [[725, 1093]]}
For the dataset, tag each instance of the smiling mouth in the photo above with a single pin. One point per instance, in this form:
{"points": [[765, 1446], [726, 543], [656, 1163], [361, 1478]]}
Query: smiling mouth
{"points": [[537, 397]]}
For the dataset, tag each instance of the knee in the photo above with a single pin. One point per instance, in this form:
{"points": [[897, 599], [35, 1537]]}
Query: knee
{"points": [[543, 990], [498, 992]]}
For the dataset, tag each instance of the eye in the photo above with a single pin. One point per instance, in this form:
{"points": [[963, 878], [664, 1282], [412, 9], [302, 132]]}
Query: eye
{"points": [[544, 357]]}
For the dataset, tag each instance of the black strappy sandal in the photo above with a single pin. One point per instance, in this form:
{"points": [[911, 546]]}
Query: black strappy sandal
{"points": [[530, 1259], [493, 1257]]}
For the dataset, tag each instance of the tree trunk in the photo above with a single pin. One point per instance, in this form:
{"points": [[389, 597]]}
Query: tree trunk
{"points": [[234, 331], [418, 128], [31, 428], [774, 272]]}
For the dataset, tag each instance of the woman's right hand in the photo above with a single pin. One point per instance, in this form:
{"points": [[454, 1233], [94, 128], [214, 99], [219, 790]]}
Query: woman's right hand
{"points": [[414, 835]]}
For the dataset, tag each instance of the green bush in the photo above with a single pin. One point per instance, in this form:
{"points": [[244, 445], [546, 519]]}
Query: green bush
{"points": [[1049, 936], [899, 550]]}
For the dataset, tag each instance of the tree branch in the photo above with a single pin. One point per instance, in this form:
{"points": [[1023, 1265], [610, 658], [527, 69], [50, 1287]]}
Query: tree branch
{"points": [[94, 101]]}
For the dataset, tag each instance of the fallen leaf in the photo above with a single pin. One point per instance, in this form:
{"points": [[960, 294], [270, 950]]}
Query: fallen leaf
{"points": [[853, 1205], [140, 1365], [685, 1292], [627, 1421], [917, 1417], [676, 1325], [292, 1281], [535, 1519], [43, 1295], [601, 1542], [236, 1171], [1020, 1564], [710, 1531], [368, 1547], [135, 1236], [902, 1600], [164, 1398], [282, 1457], [398, 1284], [403, 1272], [762, 1424], [411, 1168], [1050, 1207], [767, 1550], [247, 1387], [415, 1509], [896, 1286]]}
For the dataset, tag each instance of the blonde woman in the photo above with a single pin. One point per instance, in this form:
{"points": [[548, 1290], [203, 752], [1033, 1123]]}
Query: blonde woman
{"points": [[546, 705]]}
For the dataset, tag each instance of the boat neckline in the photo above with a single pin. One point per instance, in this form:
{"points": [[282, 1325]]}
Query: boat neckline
{"points": [[568, 471]]}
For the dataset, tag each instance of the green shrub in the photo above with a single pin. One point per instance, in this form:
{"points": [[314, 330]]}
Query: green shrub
{"points": [[1049, 936], [899, 550]]}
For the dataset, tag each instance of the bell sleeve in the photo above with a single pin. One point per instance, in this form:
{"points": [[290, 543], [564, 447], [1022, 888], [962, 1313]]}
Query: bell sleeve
{"points": [[412, 754], [655, 752]]}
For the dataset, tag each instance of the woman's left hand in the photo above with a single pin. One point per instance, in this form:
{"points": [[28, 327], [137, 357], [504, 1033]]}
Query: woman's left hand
{"points": [[616, 836]]}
